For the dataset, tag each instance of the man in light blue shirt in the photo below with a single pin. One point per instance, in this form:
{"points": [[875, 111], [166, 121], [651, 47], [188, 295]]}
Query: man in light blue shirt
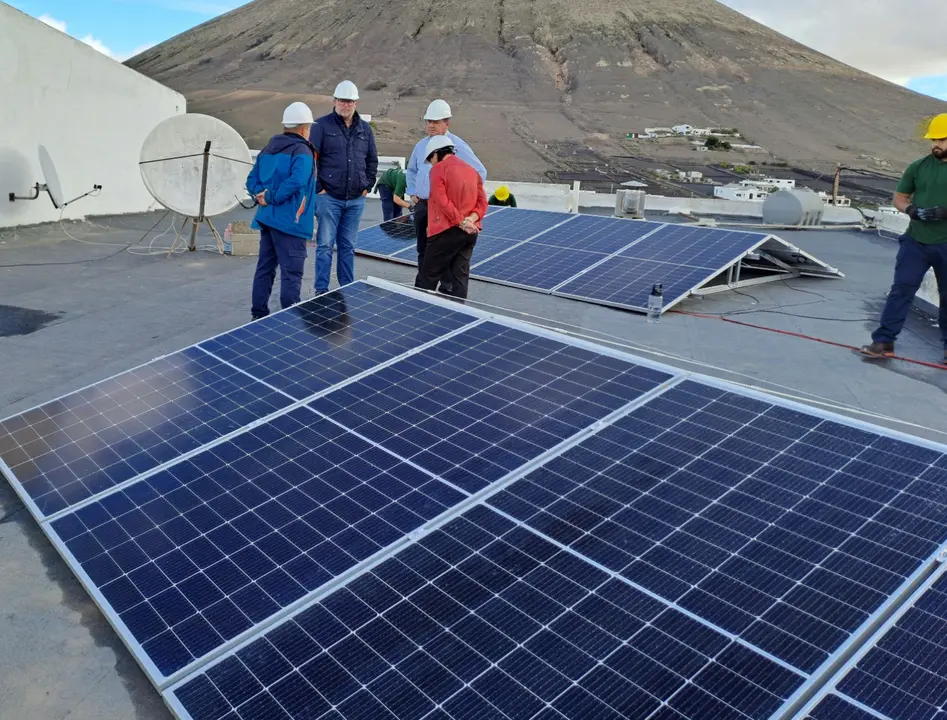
{"points": [[437, 120]]}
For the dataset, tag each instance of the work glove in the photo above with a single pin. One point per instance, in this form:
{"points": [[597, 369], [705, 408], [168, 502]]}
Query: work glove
{"points": [[926, 214]]}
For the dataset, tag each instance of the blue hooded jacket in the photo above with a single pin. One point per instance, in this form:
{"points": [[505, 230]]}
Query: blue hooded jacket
{"points": [[347, 157], [285, 168]]}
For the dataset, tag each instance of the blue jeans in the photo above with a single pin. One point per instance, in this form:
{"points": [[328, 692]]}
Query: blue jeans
{"points": [[913, 261], [389, 210], [338, 226], [287, 251]]}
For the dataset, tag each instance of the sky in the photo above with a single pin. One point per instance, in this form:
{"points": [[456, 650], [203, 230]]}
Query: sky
{"points": [[891, 40]]}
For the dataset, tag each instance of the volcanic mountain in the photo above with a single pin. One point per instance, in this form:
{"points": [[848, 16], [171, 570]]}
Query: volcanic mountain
{"points": [[534, 82]]}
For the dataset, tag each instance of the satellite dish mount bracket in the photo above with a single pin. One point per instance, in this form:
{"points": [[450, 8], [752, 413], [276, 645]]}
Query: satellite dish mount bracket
{"points": [[201, 217], [42, 187]]}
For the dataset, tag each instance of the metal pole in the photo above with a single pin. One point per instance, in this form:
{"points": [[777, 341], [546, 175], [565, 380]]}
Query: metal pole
{"points": [[192, 246]]}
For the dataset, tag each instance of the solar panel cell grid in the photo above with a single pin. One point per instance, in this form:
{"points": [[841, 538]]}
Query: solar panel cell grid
{"points": [[905, 674], [485, 619], [694, 246], [522, 224], [478, 405], [85, 443], [595, 233], [835, 708], [538, 266], [780, 527], [628, 282], [199, 553], [388, 238], [333, 337]]}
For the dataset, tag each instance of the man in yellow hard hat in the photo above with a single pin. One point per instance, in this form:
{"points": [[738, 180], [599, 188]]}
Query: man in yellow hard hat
{"points": [[922, 196], [502, 196]]}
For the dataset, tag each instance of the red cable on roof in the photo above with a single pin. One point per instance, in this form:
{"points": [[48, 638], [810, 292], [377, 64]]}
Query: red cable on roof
{"points": [[803, 336]]}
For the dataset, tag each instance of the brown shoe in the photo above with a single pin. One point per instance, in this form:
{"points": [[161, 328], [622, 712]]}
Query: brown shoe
{"points": [[878, 350]]}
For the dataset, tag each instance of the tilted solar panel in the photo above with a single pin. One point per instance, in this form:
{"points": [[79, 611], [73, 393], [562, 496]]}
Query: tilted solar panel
{"points": [[536, 266]]}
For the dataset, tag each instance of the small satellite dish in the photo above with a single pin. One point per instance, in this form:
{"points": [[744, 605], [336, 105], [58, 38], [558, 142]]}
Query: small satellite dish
{"points": [[172, 165], [53, 186]]}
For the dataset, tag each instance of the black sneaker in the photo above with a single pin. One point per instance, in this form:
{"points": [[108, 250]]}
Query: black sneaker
{"points": [[878, 349]]}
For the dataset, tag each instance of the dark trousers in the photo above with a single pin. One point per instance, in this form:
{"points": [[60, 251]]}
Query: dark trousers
{"points": [[913, 261], [389, 209], [448, 253], [287, 251], [420, 231]]}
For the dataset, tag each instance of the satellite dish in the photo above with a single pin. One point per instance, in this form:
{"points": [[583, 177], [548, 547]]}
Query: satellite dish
{"points": [[172, 162], [53, 186]]}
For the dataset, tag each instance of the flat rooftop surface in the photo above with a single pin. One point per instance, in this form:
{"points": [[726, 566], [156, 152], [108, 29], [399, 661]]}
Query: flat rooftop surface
{"points": [[77, 307]]}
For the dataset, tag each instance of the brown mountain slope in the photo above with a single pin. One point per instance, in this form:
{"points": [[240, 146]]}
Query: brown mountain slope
{"points": [[526, 77]]}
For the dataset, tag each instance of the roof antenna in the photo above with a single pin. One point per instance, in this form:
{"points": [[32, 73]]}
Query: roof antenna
{"points": [[52, 186], [195, 165]]}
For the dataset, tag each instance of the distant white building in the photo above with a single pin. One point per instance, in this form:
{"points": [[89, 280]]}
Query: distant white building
{"points": [[841, 201], [769, 183], [691, 175], [682, 129], [655, 131], [700, 131], [735, 191]]}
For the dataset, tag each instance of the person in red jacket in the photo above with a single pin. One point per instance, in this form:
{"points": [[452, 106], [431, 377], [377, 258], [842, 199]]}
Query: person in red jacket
{"points": [[455, 207]]}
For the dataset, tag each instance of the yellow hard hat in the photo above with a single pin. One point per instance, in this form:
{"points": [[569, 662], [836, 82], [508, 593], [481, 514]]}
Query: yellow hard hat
{"points": [[502, 193], [937, 130]]}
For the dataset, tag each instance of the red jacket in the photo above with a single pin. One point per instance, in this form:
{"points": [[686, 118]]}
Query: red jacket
{"points": [[456, 191]]}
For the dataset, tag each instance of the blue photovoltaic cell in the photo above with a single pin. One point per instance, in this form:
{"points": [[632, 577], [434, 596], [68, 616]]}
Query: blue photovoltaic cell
{"points": [[388, 238], [905, 674], [88, 442], [780, 527], [333, 337], [198, 553], [516, 224], [486, 247], [478, 405], [484, 619], [694, 246], [538, 266], [596, 233], [832, 707], [628, 282]]}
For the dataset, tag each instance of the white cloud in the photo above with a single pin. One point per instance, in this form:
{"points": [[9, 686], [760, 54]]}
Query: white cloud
{"points": [[877, 36], [93, 41]]}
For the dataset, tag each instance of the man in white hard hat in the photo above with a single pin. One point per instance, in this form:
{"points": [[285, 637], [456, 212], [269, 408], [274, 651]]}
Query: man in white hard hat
{"points": [[283, 183], [347, 164], [437, 121], [456, 205]]}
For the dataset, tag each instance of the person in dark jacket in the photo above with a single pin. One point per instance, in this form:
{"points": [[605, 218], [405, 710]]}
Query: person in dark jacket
{"points": [[346, 166], [283, 183]]}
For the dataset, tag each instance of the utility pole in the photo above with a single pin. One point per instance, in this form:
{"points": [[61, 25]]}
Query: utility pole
{"points": [[838, 174]]}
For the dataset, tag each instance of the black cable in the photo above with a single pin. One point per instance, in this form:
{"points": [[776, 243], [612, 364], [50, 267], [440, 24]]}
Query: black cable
{"points": [[106, 257]]}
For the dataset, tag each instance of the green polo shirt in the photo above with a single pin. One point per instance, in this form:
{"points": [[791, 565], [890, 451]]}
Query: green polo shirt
{"points": [[926, 180], [396, 180]]}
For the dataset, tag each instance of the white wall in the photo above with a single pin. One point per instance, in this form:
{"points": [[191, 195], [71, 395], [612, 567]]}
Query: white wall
{"points": [[90, 112], [894, 225]]}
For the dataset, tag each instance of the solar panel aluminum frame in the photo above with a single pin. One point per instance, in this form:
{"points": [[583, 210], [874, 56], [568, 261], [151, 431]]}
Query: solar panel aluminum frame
{"points": [[809, 696]]}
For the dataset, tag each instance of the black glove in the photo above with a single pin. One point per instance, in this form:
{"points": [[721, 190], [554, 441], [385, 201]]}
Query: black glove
{"points": [[926, 214]]}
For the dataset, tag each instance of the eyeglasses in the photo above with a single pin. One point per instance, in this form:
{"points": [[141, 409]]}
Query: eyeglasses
{"points": [[345, 102]]}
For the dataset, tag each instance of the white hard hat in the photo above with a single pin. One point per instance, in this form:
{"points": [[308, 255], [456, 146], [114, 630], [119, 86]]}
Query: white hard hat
{"points": [[437, 110], [297, 113], [346, 90], [436, 143]]}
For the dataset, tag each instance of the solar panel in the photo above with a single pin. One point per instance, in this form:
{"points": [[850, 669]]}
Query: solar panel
{"points": [[787, 530], [835, 708], [479, 405], [522, 224], [596, 233], [87, 442], [695, 246], [334, 337], [388, 238], [623, 258], [626, 282], [484, 619], [904, 673], [205, 550], [536, 266]]}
